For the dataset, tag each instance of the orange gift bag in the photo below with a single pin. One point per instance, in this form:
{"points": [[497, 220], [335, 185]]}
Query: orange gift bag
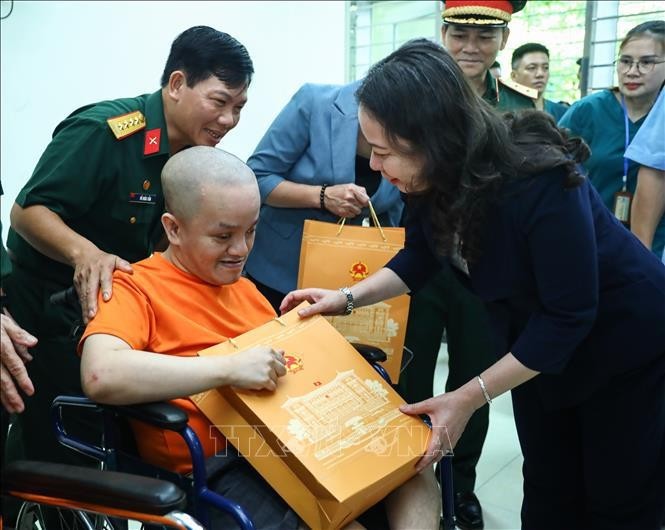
{"points": [[337, 255], [331, 439]]}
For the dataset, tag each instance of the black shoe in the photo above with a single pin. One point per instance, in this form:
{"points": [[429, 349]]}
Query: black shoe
{"points": [[468, 513]]}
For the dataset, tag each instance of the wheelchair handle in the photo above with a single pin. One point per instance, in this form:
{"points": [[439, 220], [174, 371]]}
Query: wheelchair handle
{"points": [[94, 486], [68, 440], [66, 297], [372, 354], [94, 491], [161, 414]]}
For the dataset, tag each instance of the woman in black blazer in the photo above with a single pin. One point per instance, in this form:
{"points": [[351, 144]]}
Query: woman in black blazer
{"points": [[577, 302]]}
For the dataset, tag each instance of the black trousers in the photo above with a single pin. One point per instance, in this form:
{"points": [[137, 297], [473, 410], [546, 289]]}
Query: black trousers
{"points": [[599, 465], [54, 370], [445, 303]]}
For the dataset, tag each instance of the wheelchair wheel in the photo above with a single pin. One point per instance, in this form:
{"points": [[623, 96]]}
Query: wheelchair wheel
{"points": [[33, 516]]}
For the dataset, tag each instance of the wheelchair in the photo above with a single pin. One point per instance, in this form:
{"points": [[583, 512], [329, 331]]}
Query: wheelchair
{"points": [[118, 451], [89, 499]]}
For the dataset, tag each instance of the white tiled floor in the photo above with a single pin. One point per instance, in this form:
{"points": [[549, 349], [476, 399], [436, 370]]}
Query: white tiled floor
{"points": [[499, 471]]}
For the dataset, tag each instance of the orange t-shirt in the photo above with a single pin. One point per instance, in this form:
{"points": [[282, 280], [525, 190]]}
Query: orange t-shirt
{"points": [[163, 309]]}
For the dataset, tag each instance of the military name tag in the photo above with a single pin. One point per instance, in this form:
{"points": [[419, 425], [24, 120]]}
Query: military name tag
{"points": [[143, 198]]}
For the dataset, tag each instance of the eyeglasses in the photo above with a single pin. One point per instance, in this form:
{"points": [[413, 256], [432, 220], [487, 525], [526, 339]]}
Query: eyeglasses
{"points": [[644, 66]]}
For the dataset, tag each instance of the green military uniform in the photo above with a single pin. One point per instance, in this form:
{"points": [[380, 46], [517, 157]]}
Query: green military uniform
{"points": [[101, 175], [506, 94], [445, 303]]}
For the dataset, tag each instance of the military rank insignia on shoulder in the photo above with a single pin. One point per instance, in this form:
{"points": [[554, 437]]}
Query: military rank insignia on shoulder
{"points": [[126, 124], [520, 89]]}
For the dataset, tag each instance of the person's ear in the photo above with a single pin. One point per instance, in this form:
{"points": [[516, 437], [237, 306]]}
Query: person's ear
{"points": [[443, 34], [172, 228], [504, 38], [513, 75], [177, 83]]}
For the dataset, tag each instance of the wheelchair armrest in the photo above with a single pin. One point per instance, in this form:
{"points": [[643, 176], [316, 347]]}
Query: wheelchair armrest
{"points": [[161, 414], [92, 487], [372, 354]]}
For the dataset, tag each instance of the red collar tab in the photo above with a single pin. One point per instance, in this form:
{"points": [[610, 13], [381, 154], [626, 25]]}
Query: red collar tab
{"points": [[151, 144]]}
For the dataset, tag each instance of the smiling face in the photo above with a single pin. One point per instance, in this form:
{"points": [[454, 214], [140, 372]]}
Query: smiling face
{"points": [[474, 49], [214, 243], [201, 114], [397, 163], [633, 83]]}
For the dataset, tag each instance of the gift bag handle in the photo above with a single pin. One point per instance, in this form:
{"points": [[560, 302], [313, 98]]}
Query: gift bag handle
{"points": [[342, 221]]}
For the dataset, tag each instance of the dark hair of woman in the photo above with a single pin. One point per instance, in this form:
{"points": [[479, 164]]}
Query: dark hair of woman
{"points": [[419, 94], [651, 28]]}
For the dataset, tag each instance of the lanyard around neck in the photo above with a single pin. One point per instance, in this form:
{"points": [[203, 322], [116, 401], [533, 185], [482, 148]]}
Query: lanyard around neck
{"points": [[625, 160]]}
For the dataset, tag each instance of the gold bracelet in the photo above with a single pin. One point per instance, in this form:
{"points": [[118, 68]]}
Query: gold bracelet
{"points": [[484, 389]]}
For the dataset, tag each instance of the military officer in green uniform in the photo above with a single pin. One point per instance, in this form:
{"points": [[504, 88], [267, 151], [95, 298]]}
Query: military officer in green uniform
{"points": [[93, 205], [473, 32]]}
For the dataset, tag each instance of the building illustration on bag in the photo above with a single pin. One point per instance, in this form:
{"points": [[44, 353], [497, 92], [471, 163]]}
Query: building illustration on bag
{"points": [[370, 325], [345, 413]]}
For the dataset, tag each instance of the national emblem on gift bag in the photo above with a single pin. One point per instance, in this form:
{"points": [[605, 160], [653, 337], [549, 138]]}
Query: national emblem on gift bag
{"points": [[293, 363], [359, 271]]}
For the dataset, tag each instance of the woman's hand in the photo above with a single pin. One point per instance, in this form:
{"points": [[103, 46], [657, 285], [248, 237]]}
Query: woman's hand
{"points": [[449, 414], [345, 200], [324, 301]]}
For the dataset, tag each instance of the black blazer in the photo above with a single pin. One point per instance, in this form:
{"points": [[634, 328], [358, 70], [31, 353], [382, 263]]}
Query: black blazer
{"points": [[571, 293]]}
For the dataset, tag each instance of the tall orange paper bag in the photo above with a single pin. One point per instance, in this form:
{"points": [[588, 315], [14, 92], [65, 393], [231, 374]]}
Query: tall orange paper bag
{"points": [[334, 256]]}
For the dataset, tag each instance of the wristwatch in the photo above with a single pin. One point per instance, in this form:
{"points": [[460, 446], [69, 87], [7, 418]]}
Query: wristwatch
{"points": [[349, 300]]}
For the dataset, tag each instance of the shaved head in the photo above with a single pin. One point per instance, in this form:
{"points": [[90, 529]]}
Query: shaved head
{"points": [[191, 174]]}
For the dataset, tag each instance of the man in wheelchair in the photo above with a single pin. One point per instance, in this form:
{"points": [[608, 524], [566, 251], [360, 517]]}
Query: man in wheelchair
{"points": [[141, 346]]}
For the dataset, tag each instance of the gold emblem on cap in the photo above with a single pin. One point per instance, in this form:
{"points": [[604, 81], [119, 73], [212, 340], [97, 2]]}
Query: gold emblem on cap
{"points": [[146, 184], [126, 124], [490, 12]]}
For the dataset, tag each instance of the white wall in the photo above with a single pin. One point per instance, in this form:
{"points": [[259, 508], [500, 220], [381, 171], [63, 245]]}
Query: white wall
{"points": [[57, 56]]}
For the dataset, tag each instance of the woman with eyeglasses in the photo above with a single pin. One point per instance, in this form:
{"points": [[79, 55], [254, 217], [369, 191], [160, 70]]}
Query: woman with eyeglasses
{"points": [[609, 119], [576, 302]]}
